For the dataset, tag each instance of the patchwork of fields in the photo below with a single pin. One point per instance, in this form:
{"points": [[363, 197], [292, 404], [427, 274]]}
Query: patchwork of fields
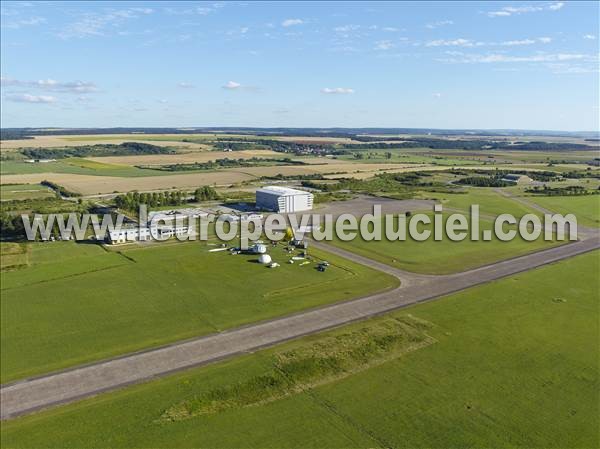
{"points": [[513, 363]]}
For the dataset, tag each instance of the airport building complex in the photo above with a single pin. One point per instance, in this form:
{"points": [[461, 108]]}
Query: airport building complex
{"points": [[283, 199]]}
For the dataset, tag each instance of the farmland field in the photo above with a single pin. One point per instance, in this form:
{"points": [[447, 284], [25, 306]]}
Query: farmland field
{"points": [[74, 165], [88, 303], [185, 158], [72, 141], [91, 185], [459, 391]]}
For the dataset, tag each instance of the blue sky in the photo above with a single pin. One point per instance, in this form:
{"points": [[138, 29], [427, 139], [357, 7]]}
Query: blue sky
{"points": [[526, 65]]}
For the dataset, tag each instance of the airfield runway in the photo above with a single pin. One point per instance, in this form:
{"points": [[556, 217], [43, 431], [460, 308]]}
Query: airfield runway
{"points": [[33, 394]]}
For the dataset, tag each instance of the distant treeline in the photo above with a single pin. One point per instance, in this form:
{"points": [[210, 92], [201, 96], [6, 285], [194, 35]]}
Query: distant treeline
{"points": [[22, 133], [279, 146], [562, 191], [459, 144], [377, 143], [122, 149], [10, 134], [281, 177], [542, 176], [483, 181], [224, 163]]}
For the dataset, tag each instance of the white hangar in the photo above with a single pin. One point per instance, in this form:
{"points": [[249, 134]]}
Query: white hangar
{"points": [[283, 199]]}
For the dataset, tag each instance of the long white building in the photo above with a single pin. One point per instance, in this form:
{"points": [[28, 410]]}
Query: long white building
{"points": [[283, 199]]}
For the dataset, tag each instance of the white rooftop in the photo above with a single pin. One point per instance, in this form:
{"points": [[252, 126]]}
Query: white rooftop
{"points": [[282, 191], [170, 214]]}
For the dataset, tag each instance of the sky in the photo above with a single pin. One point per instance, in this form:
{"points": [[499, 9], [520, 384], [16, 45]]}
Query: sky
{"points": [[488, 65]]}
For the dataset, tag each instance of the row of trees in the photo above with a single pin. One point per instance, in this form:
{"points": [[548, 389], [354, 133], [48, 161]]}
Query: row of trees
{"points": [[121, 149], [132, 200], [226, 163], [372, 142], [562, 191], [60, 190], [481, 181]]}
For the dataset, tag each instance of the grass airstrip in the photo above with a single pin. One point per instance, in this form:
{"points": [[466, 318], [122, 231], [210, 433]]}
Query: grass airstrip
{"points": [[513, 363], [75, 303]]}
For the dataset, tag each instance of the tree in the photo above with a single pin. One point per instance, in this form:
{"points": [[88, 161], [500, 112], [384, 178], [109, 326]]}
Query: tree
{"points": [[205, 193], [289, 235]]}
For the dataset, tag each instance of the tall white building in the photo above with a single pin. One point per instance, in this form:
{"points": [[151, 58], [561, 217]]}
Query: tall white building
{"points": [[283, 199]]}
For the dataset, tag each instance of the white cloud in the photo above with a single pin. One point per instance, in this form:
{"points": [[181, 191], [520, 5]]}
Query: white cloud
{"points": [[438, 24], [346, 28], [79, 87], [437, 95], [143, 10], [196, 11], [185, 85], [568, 68], [28, 98], [390, 29], [590, 37], [232, 85], [460, 42], [16, 24], [238, 31], [459, 57], [453, 43], [291, 22], [384, 45], [337, 90], [101, 24], [516, 10], [518, 42]]}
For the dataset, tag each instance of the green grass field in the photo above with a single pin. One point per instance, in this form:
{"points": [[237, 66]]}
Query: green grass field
{"points": [[513, 363], [490, 203], [77, 166], [441, 257], [412, 157], [13, 256], [76, 302], [585, 208], [10, 192]]}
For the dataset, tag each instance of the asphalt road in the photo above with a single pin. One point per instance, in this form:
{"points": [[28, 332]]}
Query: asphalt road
{"points": [[71, 385]]}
